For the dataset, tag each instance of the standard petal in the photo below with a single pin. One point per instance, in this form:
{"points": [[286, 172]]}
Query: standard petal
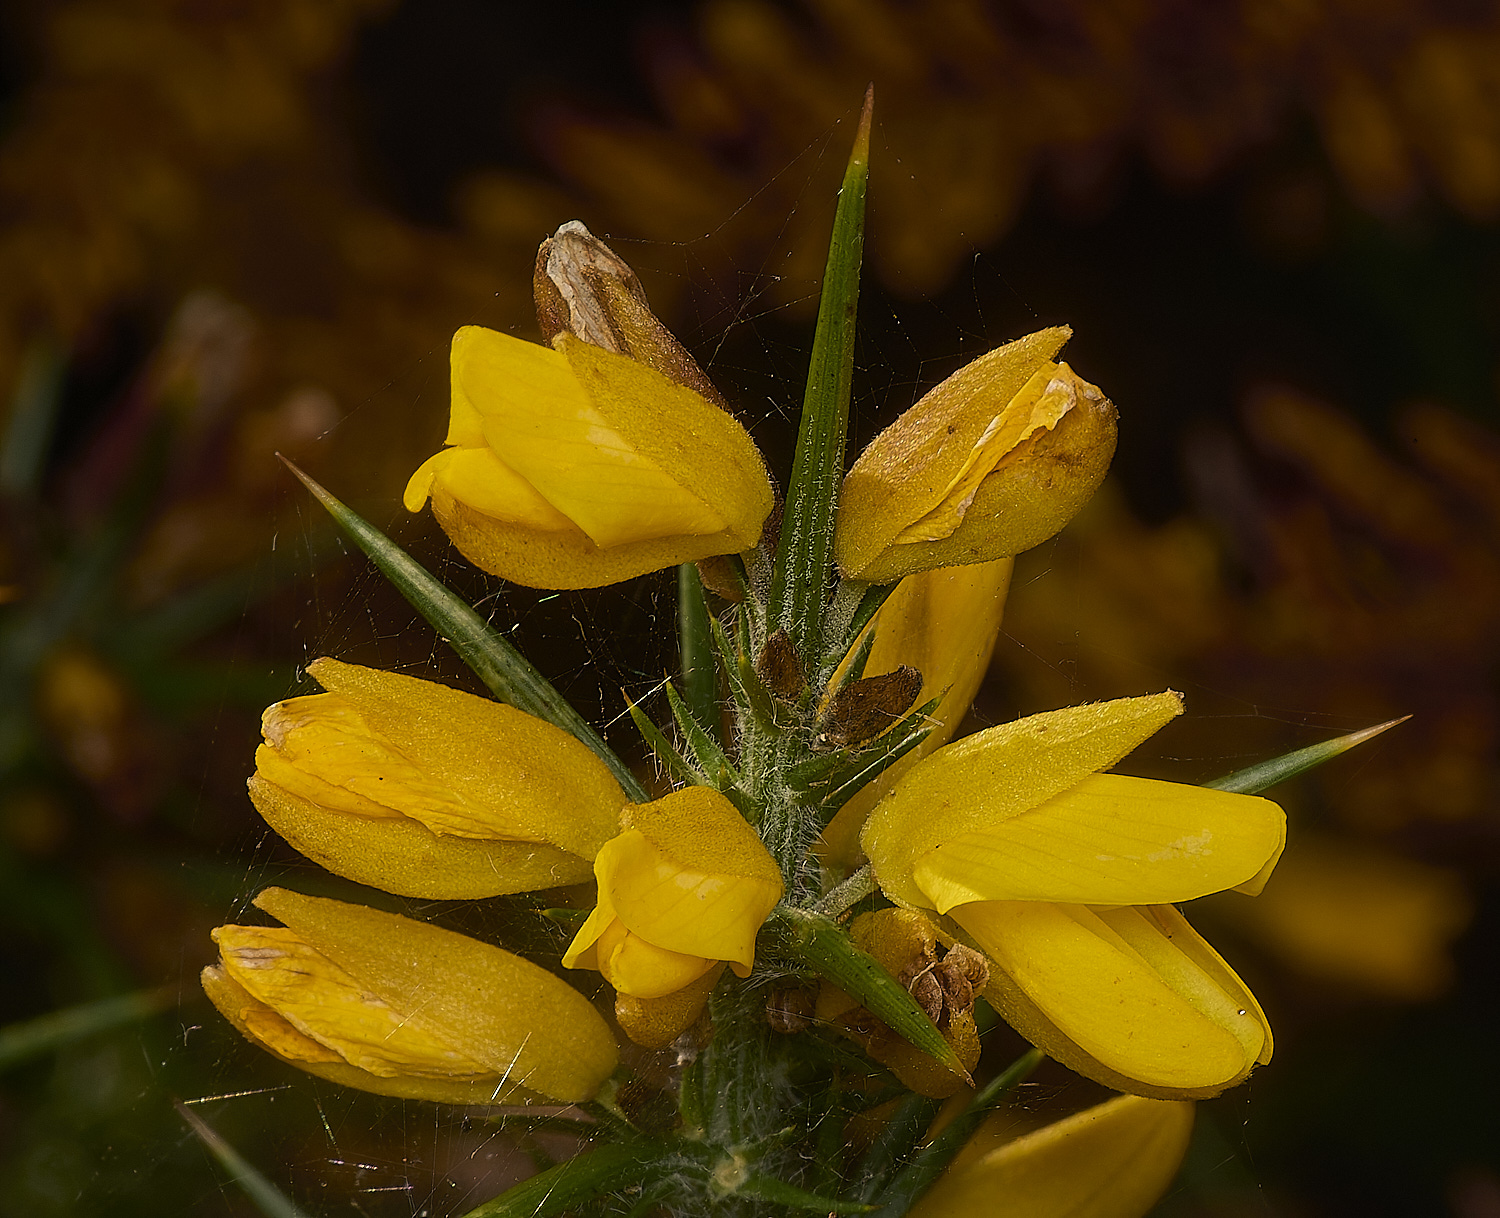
{"points": [[1114, 1160], [1155, 1028], [943, 623], [993, 775], [1109, 840], [544, 423]]}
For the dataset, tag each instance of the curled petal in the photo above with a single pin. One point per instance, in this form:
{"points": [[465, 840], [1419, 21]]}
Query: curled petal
{"points": [[994, 460], [993, 775], [1114, 1160], [1110, 840], [1132, 998]]}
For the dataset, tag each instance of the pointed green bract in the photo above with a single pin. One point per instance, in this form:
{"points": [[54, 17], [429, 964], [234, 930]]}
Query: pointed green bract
{"points": [[268, 1199], [1267, 774], [700, 685], [803, 572], [504, 670]]}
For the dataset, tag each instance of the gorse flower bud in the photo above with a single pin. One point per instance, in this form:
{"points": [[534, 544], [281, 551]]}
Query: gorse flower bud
{"points": [[1114, 1160], [602, 457], [427, 791], [687, 884], [1015, 835], [397, 1007], [997, 458]]}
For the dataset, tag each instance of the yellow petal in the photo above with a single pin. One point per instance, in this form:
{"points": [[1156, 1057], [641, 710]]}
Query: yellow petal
{"points": [[262, 1026], [1042, 401], [329, 1006], [508, 774], [1114, 1160], [943, 623], [1173, 1022], [999, 773], [639, 968], [401, 856], [1109, 840], [908, 467], [488, 1005], [480, 479], [550, 558], [654, 1023]]}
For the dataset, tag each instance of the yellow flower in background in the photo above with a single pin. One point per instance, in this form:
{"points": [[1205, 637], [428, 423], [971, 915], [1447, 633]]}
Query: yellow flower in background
{"points": [[426, 791], [997, 458], [576, 467], [943, 623], [1114, 1160], [686, 885], [1015, 835], [380, 1002]]}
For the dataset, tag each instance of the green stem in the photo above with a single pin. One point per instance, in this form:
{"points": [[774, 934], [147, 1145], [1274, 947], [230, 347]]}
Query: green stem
{"points": [[803, 571], [848, 894]]}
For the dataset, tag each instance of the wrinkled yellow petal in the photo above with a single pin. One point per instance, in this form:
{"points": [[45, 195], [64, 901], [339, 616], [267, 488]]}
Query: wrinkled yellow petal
{"points": [[1168, 1023], [1042, 401], [996, 774], [943, 623], [994, 460], [329, 1006], [401, 856], [504, 774], [905, 470], [486, 1005], [1109, 840], [263, 1027], [1114, 1160]]}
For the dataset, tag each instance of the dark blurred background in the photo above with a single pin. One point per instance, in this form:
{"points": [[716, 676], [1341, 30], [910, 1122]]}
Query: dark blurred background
{"points": [[232, 227]]}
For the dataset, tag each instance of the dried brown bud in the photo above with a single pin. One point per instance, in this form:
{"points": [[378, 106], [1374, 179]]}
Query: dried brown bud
{"points": [[864, 709], [779, 668], [583, 288]]}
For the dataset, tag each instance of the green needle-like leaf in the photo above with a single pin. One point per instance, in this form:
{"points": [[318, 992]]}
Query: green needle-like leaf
{"points": [[803, 573], [705, 749], [503, 669], [1267, 774], [700, 684], [610, 1168], [675, 763], [20, 1041], [822, 944], [268, 1199]]}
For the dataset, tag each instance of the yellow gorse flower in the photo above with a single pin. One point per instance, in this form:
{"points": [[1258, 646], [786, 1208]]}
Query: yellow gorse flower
{"points": [[1113, 1160], [427, 791], [576, 467], [992, 461], [685, 885], [1040, 859], [397, 1007]]}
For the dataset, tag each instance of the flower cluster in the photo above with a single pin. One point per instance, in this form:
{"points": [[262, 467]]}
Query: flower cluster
{"points": [[1009, 868]]}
